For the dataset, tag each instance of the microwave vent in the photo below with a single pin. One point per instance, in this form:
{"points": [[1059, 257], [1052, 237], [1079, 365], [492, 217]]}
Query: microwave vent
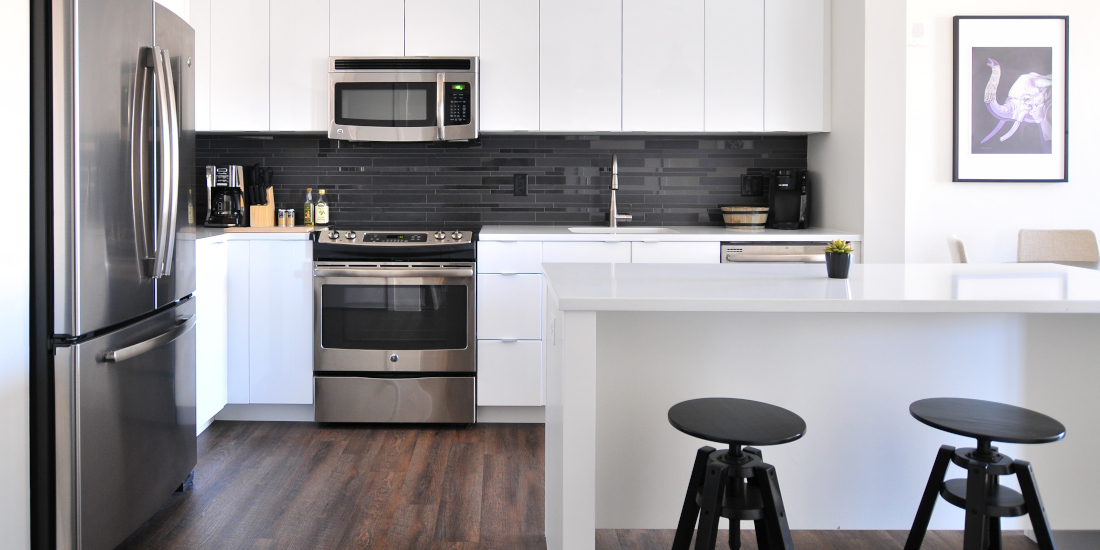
{"points": [[427, 64]]}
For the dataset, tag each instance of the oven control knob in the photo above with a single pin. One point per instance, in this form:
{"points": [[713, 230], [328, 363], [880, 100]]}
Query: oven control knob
{"points": [[439, 235], [349, 235], [394, 358], [333, 234], [456, 235]]}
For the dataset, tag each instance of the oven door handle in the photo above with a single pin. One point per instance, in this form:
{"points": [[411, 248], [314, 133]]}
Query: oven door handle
{"points": [[387, 273]]}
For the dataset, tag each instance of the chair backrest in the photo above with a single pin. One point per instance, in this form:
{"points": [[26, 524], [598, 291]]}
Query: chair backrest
{"points": [[958, 250], [1057, 245]]}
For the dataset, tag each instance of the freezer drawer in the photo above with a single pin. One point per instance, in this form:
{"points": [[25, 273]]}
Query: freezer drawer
{"points": [[363, 399]]}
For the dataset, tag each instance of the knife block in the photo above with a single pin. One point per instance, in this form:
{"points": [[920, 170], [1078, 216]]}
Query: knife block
{"points": [[263, 215]]}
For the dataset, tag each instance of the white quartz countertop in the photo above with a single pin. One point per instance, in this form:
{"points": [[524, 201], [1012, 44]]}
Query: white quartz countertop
{"points": [[670, 234], [973, 288]]}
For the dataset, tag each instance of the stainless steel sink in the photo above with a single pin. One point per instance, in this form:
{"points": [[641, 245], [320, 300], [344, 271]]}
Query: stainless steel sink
{"points": [[622, 230]]}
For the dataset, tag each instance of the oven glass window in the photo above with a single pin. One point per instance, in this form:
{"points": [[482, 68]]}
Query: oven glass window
{"points": [[381, 317], [385, 104]]}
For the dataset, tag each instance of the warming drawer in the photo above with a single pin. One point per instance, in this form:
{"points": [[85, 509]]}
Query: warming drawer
{"points": [[448, 399]]}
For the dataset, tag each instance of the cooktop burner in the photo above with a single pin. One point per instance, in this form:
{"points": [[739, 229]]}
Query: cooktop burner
{"points": [[335, 243]]}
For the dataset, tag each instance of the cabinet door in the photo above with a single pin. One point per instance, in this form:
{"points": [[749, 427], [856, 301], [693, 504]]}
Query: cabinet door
{"points": [[795, 65], [580, 67], [509, 307], [509, 65], [366, 28], [212, 354], [239, 65], [200, 21], [501, 257], [509, 374], [237, 331], [662, 65], [586, 253], [299, 65], [734, 65], [280, 322], [441, 27], [676, 253]]}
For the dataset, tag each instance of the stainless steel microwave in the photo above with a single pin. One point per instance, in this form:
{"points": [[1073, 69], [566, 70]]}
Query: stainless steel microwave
{"points": [[403, 98]]}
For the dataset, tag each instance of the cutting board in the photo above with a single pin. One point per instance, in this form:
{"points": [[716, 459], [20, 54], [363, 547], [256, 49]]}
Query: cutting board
{"points": [[263, 216]]}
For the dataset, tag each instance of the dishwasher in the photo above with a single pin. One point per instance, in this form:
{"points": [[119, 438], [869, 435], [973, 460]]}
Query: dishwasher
{"points": [[801, 252]]}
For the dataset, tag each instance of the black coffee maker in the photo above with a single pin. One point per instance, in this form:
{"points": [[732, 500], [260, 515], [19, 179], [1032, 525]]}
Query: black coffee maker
{"points": [[787, 196], [225, 197]]}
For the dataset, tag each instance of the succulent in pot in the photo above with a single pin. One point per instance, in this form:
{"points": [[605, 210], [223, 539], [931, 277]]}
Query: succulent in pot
{"points": [[838, 259]]}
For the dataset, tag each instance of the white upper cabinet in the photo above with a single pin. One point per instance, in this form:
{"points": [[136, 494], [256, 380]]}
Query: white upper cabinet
{"points": [[366, 28], [299, 65], [796, 65], [734, 66], [239, 62], [580, 69], [662, 65], [200, 21], [441, 27], [509, 65]]}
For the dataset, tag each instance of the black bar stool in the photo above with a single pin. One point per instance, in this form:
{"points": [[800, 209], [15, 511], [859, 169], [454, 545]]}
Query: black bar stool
{"points": [[734, 483], [985, 500]]}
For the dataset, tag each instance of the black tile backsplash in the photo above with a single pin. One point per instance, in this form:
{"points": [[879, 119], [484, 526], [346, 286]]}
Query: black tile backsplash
{"points": [[663, 180]]}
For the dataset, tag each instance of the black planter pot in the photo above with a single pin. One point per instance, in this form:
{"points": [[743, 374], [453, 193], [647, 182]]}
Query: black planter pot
{"points": [[837, 264]]}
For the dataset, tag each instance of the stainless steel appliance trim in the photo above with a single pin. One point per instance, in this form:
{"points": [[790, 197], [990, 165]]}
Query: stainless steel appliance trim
{"points": [[139, 169], [173, 191], [440, 92], [164, 166], [65, 158], [66, 466], [129, 352], [388, 273], [450, 399]]}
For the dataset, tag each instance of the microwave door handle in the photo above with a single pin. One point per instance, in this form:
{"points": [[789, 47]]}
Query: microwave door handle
{"points": [[139, 167], [440, 81], [173, 183]]}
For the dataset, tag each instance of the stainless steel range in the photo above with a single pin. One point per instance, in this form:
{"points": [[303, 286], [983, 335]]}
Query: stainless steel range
{"points": [[394, 326]]}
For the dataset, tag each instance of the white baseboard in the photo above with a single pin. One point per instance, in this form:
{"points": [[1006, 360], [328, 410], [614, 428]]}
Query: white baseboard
{"points": [[511, 415], [271, 413]]}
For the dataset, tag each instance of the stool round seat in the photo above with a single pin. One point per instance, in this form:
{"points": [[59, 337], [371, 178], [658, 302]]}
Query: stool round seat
{"points": [[736, 421], [987, 420]]}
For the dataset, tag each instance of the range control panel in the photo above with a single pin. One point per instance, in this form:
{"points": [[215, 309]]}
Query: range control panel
{"points": [[458, 103], [403, 238]]}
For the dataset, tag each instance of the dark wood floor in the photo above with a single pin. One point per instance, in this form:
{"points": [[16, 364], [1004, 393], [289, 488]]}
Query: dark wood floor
{"points": [[264, 485]]}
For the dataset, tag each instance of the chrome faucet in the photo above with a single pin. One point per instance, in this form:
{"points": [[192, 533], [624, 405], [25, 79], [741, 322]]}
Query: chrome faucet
{"points": [[615, 216]]}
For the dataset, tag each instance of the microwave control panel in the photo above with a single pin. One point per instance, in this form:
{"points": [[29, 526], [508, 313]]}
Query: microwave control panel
{"points": [[458, 103]]}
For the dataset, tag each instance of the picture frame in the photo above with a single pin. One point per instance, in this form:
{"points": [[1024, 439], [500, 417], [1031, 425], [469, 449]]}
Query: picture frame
{"points": [[1011, 115]]}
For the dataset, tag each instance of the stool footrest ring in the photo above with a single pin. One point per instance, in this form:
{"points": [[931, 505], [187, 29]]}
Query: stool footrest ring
{"points": [[1004, 503]]}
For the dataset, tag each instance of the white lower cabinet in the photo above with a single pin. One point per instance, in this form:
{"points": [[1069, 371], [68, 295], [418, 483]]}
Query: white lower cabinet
{"points": [[586, 253], [509, 307], [675, 253], [509, 373], [271, 322], [212, 353]]}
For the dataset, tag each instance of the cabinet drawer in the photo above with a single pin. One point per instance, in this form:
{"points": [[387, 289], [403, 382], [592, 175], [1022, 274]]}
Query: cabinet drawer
{"points": [[498, 257], [509, 374], [586, 253], [676, 253], [509, 307]]}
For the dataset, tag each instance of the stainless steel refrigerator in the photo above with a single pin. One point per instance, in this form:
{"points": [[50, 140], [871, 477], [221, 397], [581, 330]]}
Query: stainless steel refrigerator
{"points": [[123, 236]]}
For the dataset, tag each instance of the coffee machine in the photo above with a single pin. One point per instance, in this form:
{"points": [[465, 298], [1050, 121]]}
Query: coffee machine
{"points": [[787, 197], [225, 196]]}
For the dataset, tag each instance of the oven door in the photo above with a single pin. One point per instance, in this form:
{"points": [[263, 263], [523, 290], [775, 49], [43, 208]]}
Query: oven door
{"points": [[371, 317], [403, 106]]}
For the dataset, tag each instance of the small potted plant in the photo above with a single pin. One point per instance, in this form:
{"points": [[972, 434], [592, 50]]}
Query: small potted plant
{"points": [[838, 258]]}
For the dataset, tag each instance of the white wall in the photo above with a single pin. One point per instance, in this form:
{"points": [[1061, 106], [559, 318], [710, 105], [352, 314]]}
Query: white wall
{"points": [[987, 216], [14, 281]]}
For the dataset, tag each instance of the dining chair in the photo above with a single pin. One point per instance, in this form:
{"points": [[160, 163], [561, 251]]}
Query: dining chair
{"points": [[958, 250], [1057, 245]]}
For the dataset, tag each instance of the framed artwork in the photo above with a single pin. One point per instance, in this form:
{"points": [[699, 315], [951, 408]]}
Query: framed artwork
{"points": [[1011, 98]]}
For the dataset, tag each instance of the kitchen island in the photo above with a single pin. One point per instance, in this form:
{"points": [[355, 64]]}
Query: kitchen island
{"points": [[627, 341]]}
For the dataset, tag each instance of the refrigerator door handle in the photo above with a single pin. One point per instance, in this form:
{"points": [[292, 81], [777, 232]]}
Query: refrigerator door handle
{"points": [[174, 159], [139, 169], [129, 352], [164, 142]]}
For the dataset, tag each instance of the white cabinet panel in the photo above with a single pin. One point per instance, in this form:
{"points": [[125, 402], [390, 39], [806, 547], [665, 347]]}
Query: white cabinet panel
{"points": [[501, 257], [509, 65], [676, 253], [299, 65], [586, 253], [366, 27], [239, 65], [441, 27], [280, 327], [662, 65], [795, 75], [212, 353], [580, 69], [734, 65], [237, 331], [509, 374], [200, 21], [509, 307]]}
